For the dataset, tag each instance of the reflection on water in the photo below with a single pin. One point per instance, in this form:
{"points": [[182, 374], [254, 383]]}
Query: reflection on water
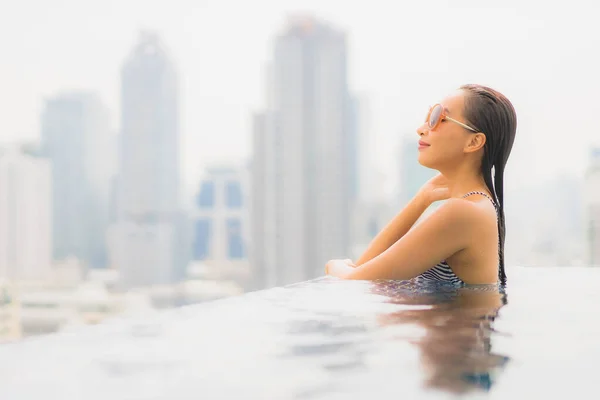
{"points": [[456, 345], [323, 339], [346, 330]]}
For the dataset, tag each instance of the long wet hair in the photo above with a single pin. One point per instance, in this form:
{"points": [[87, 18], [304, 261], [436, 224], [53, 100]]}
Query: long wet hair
{"points": [[491, 113]]}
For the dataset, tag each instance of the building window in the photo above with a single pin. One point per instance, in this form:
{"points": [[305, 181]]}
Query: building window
{"points": [[202, 235], [235, 243], [206, 196], [233, 195]]}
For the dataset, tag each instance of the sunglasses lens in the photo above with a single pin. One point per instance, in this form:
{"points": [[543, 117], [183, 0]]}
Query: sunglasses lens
{"points": [[435, 115]]}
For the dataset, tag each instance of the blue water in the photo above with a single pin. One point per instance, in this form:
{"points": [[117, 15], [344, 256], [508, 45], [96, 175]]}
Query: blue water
{"points": [[332, 339]]}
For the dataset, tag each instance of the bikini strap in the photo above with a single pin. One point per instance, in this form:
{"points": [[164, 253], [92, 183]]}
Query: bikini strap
{"points": [[483, 194]]}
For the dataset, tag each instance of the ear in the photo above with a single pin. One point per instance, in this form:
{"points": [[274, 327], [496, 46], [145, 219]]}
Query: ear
{"points": [[475, 142]]}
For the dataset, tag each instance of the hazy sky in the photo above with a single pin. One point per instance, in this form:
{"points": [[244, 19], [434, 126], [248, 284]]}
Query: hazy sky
{"points": [[404, 56]]}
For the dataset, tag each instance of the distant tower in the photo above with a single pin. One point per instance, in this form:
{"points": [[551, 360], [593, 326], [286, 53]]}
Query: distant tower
{"points": [[25, 216], [76, 137], [146, 242], [304, 172], [221, 225]]}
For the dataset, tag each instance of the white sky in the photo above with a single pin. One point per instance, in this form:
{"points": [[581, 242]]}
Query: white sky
{"points": [[404, 56]]}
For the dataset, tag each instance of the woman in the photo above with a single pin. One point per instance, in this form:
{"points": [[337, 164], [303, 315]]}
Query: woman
{"points": [[464, 137]]}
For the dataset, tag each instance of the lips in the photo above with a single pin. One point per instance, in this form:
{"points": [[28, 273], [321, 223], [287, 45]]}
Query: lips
{"points": [[423, 144]]}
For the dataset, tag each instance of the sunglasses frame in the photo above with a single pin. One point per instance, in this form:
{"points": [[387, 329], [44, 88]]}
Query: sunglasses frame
{"points": [[443, 117]]}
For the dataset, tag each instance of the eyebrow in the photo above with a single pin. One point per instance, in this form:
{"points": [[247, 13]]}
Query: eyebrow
{"points": [[446, 110]]}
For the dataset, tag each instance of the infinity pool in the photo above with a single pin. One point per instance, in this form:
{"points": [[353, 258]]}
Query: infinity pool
{"points": [[332, 339]]}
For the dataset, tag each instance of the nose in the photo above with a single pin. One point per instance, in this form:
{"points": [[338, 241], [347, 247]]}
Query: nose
{"points": [[424, 128]]}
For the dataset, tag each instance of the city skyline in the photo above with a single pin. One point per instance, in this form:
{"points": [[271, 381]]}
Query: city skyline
{"points": [[537, 65], [377, 143], [154, 155]]}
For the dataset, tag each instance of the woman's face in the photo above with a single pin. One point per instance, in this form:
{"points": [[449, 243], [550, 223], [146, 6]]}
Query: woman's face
{"points": [[446, 144]]}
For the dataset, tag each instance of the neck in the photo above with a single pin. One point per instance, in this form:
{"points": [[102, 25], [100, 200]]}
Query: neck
{"points": [[464, 179]]}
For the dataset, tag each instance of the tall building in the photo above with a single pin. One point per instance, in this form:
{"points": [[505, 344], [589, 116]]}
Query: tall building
{"points": [[221, 225], [76, 137], [304, 153], [147, 241], [592, 209], [25, 216], [412, 174]]}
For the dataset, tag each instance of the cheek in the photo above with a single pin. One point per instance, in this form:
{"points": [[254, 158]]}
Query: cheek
{"points": [[441, 151], [448, 144]]}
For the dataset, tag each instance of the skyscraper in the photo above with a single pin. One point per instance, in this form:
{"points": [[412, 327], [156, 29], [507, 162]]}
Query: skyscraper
{"points": [[592, 209], [147, 237], [220, 220], [76, 137], [304, 154], [25, 216]]}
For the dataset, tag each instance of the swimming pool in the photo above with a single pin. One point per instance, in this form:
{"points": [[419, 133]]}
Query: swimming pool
{"points": [[330, 339]]}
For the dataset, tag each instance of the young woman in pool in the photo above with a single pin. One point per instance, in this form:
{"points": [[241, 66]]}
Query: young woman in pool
{"points": [[467, 138]]}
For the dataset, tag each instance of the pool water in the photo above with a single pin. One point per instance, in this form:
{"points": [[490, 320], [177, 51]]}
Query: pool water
{"points": [[333, 339]]}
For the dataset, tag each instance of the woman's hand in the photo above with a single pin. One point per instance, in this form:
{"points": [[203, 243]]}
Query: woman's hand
{"points": [[433, 190], [339, 268]]}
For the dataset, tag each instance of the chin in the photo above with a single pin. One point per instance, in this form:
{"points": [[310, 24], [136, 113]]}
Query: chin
{"points": [[426, 161]]}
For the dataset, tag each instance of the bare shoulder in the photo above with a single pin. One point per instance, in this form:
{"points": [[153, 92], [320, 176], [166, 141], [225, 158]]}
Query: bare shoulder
{"points": [[461, 213], [462, 209]]}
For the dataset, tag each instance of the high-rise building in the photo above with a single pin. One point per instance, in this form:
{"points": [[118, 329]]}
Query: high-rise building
{"points": [[147, 243], [76, 137], [304, 155], [25, 216], [592, 209], [221, 225]]}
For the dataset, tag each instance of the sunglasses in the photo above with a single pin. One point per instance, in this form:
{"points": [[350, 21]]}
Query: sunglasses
{"points": [[436, 115]]}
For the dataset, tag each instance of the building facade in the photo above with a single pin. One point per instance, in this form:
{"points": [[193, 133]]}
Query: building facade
{"points": [[147, 240], [77, 139], [304, 172], [25, 216], [221, 226]]}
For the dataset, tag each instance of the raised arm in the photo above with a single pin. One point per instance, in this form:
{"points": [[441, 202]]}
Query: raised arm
{"points": [[435, 189], [440, 235], [394, 230]]}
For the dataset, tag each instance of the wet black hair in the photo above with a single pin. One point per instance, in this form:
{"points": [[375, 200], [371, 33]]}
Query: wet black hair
{"points": [[491, 113]]}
